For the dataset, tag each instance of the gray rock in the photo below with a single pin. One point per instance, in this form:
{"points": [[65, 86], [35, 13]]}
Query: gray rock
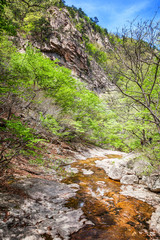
{"points": [[115, 168], [140, 166], [118, 170], [153, 183], [30, 238], [143, 180], [42, 213], [155, 221], [140, 192], [106, 164], [129, 179], [116, 173]]}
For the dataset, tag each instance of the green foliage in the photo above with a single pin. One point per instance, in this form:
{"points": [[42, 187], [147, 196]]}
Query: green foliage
{"points": [[17, 138], [30, 21], [6, 25], [59, 3], [50, 123], [23, 133], [79, 27], [32, 72], [72, 10], [134, 67], [28, 17], [120, 123], [6, 81], [131, 128], [100, 56]]}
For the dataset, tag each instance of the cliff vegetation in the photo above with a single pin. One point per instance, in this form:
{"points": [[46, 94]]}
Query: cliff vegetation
{"points": [[64, 78]]}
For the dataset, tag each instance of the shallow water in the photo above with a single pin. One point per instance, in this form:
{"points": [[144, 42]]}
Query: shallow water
{"points": [[115, 217]]}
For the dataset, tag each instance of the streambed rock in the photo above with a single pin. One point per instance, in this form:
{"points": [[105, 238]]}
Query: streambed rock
{"points": [[116, 173], [134, 184], [139, 166], [129, 179], [140, 192], [155, 220], [116, 168], [40, 215], [153, 183], [87, 172]]}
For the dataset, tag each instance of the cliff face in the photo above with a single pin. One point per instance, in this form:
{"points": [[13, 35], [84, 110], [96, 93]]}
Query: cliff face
{"points": [[66, 43]]}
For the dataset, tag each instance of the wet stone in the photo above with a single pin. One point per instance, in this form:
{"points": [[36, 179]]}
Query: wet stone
{"points": [[87, 172]]}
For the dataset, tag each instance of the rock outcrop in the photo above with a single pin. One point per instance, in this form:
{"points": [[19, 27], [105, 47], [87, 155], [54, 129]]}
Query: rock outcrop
{"points": [[153, 183], [129, 171], [39, 212], [65, 42]]}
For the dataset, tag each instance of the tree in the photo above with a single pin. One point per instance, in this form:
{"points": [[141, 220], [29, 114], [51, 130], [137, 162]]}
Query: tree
{"points": [[17, 10], [135, 68], [2, 21], [95, 20], [81, 13], [5, 23]]}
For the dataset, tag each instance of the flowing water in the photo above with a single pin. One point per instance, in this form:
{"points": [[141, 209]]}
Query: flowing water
{"points": [[115, 217]]}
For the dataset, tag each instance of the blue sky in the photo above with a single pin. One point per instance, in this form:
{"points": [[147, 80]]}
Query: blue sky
{"points": [[114, 14]]}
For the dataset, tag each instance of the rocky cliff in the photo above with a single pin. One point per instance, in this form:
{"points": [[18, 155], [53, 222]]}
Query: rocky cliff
{"points": [[65, 42]]}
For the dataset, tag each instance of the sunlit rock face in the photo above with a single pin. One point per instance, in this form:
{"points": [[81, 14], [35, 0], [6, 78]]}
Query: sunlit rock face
{"points": [[39, 211], [65, 43]]}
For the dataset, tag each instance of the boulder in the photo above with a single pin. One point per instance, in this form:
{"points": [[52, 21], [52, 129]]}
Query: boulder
{"points": [[106, 164], [116, 172], [140, 166], [129, 179], [153, 183]]}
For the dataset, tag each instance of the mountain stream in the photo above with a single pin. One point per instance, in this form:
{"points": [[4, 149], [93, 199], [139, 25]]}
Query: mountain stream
{"points": [[114, 216]]}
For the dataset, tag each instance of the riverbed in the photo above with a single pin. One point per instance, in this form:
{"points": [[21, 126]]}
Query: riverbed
{"points": [[86, 205], [114, 215]]}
